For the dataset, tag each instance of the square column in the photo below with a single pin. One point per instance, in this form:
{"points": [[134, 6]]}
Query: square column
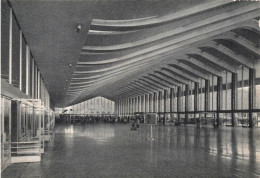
{"points": [[219, 98], [233, 98], [128, 105], [251, 96], [146, 103], [165, 96], [160, 102], [139, 104], [171, 99], [179, 102], [151, 102], [155, 105], [196, 94], [187, 109], [206, 95], [133, 103], [142, 103]]}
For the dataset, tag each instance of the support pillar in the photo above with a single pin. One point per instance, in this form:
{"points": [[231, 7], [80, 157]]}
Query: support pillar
{"points": [[165, 93], [155, 97], [219, 98], [133, 103], [179, 102], [124, 107], [196, 97], [251, 96], [146, 103], [136, 104], [160, 102], [233, 98], [129, 106], [207, 95], [142, 103], [141, 107], [119, 107], [151, 102], [171, 99], [187, 89]]}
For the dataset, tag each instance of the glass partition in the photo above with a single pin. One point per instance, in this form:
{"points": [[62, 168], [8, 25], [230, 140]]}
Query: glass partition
{"points": [[27, 130], [5, 132], [257, 119]]}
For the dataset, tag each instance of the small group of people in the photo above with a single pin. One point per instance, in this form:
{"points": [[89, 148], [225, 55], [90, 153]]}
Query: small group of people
{"points": [[70, 119], [135, 124]]}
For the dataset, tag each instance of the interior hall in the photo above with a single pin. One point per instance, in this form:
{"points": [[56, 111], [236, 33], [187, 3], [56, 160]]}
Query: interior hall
{"points": [[133, 88]]}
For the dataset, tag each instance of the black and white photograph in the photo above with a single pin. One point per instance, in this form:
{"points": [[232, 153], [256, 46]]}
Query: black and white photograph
{"points": [[130, 89]]}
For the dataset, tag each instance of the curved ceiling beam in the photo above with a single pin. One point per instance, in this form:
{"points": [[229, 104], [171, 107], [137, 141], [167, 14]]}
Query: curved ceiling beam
{"points": [[131, 93], [202, 65], [185, 75], [170, 75], [157, 20], [135, 84], [132, 88], [160, 83], [150, 84], [221, 63], [213, 59], [108, 78], [122, 69], [162, 79], [231, 54], [128, 91], [176, 69], [81, 83], [149, 56], [138, 88], [190, 69], [116, 78], [165, 35], [241, 41], [101, 32], [256, 23], [198, 35]]}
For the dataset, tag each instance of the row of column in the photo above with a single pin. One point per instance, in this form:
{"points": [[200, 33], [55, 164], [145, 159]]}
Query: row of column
{"points": [[159, 101]]}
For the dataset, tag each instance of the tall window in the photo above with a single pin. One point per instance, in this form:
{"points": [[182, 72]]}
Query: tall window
{"points": [[5, 23], [15, 53]]}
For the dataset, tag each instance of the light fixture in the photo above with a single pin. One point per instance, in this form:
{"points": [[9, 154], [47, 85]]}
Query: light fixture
{"points": [[79, 27]]}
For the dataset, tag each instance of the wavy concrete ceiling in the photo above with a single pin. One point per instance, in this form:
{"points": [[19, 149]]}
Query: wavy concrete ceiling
{"points": [[128, 49]]}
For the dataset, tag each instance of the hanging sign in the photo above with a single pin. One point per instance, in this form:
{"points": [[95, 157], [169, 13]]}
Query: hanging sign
{"points": [[151, 118]]}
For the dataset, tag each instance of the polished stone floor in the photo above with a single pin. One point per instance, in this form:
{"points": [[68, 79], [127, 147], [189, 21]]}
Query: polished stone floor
{"points": [[112, 150]]}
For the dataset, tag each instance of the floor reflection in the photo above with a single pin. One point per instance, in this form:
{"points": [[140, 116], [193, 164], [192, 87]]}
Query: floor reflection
{"points": [[113, 150]]}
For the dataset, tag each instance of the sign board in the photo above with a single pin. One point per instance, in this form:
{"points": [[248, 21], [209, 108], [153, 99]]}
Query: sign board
{"points": [[151, 118]]}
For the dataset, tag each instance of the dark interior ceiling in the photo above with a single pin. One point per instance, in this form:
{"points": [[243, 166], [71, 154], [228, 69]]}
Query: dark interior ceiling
{"points": [[125, 44]]}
